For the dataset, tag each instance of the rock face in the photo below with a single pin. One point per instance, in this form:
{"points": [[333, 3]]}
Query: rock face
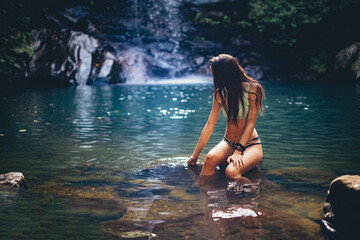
{"points": [[348, 61], [14, 179], [69, 55], [63, 55], [85, 45], [342, 211]]}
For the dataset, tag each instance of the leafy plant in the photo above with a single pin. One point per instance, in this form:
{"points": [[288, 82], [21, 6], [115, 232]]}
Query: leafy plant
{"points": [[14, 39], [281, 19], [318, 62]]}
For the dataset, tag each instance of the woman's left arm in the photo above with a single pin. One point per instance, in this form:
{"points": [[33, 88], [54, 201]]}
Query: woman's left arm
{"points": [[236, 157], [252, 116]]}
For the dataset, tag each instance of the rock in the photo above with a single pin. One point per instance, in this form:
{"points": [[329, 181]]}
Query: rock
{"points": [[300, 178], [134, 65], [62, 55], [348, 61], [305, 204], [342, 210], [98, 202], [14, 179], [141, 229], [82, 47], [67, 55], [105, 70], [182, 194], [199, 60], [201, 225]]}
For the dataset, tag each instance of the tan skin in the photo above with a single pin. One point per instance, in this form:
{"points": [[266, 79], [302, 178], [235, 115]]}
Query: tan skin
{"points": [[239, 163]]}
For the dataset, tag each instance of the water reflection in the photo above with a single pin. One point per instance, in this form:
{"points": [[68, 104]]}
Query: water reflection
{"points": [[228, 198], [122, 146]]}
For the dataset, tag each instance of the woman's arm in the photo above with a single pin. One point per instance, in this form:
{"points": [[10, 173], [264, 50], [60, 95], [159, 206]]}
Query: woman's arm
{"points": [[252, 116], [250, 125], [207, 131]]}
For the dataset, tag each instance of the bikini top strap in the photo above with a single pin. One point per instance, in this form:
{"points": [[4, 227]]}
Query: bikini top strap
{"points": [[247, 91]]}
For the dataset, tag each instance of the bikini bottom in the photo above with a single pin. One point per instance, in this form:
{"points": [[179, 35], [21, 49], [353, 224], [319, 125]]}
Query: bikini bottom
{"points": [[236, 146]]}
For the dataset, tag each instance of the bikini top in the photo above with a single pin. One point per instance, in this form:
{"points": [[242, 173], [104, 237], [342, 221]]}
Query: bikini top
{"points": [[242, 114]]}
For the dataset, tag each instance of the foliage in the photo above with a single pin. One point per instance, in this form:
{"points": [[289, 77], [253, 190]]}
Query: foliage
{"points": [[200, 18], [14, 38], [318, 62], [16, 17], [281, 19]]}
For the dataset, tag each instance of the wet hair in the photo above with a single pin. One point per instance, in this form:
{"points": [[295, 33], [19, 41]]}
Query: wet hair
{"points": [[228, 78]]}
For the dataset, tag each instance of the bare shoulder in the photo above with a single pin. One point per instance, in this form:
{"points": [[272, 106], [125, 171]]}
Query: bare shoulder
{"points": [[254, 88]]}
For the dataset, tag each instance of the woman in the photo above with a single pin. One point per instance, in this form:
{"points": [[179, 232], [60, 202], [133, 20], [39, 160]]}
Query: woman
{"points": [[240, 97]]}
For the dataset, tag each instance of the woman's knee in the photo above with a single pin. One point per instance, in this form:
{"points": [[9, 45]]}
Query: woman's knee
{"points": [[211, 159], [232, 172]]}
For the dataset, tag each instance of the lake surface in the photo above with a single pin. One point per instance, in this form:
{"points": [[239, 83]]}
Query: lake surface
{"points": [[108, 162]]}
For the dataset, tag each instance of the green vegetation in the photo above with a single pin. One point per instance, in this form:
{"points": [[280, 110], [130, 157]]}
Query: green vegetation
{"points": [[318, 62], [282, 19], [310, 32], [15, 48], [18, 17], [200, 18], [314, 31]]}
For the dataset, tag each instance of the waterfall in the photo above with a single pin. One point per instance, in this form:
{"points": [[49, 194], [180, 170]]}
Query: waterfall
{"points": [[173, 14], [152, 45], [136, 18]]}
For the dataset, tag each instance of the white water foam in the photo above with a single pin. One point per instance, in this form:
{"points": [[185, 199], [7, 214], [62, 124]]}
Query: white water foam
{"points": [[191, 79]]}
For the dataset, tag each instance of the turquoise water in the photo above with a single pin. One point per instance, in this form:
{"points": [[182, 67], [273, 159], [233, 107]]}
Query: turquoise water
{"points": [[108, 162]]}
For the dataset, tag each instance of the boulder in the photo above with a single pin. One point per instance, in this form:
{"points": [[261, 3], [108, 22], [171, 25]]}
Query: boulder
{"points": [[348, 61], [67, 54], [13, 179], [342, 211], [63, 55]]}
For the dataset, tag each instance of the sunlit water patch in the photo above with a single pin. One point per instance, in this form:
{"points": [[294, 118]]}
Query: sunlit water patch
{"points": [[109, 162]]}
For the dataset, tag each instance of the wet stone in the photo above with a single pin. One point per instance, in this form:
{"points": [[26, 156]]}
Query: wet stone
{"points": [[275, 196], [183, 194], [100, 203], [156, 228], [341, 210], [13, 179], [301, 179]]}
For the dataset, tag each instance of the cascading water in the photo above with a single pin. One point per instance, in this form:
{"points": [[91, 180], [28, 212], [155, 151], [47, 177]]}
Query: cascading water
{"points": [[148, 40], [152, 44]]}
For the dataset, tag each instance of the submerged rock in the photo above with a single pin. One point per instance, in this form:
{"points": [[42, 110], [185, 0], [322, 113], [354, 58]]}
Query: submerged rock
{"points": [[98, 202], [202, 225], [308, 205], [13, 179], [342, 211], [301, 179]]}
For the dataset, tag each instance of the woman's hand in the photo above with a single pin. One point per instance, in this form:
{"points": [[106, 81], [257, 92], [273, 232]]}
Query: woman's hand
{"points": [[236, 158], [192, 160]]}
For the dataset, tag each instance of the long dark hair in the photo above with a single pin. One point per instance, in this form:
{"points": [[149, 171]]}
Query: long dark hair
{"points": [[228, 77]]}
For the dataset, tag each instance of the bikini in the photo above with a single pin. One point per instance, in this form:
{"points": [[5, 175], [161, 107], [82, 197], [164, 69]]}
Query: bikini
{"points": [[241, 115], [237, 146]]}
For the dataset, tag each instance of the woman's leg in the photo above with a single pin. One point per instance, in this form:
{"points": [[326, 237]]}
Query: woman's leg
{"points": [[216, 156], [251, 158]]}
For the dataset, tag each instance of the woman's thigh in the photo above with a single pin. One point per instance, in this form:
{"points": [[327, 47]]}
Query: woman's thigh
{"points": [[217, 155], [251, 158]]}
